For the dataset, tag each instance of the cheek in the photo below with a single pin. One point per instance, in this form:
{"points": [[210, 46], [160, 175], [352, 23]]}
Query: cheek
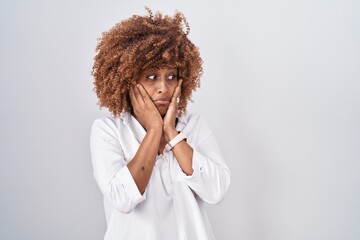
{"points": [[149, 89]]}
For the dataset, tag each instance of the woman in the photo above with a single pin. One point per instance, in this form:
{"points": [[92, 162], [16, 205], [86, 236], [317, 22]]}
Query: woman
{"points": [[155, 165]]}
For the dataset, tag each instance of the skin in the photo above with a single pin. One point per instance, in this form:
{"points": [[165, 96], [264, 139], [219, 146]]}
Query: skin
{"points": [[154, 102]]}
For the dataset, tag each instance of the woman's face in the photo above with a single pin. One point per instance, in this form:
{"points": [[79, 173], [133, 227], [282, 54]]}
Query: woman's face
{"points": [[160, 84]]}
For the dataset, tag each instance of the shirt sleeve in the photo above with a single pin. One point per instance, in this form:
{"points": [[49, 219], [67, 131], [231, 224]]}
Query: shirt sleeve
{"points": [[211, 176], [109, 167]]}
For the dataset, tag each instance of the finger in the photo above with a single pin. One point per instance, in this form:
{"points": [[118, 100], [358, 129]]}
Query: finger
{"points": [[172, 110], [133, 99], [143, 92], [179, 86], [176, 95], [137, 94], [180, 82]]}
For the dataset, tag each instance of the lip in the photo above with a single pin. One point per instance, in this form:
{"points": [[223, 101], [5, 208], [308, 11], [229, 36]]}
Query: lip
{"points": [[162, 101]]}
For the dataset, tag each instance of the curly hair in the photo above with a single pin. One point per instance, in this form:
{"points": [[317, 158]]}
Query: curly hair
{"points": [[139, 43]]}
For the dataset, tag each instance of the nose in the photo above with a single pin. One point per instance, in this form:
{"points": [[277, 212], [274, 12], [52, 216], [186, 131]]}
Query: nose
{"points": [[163, 85]]}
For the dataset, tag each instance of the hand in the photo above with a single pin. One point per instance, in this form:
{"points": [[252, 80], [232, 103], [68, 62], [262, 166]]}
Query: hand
{"points": [[144, 109], [170, 116]]}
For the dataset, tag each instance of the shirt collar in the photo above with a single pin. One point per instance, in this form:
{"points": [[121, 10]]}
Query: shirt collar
{"points": [[135, 127]]}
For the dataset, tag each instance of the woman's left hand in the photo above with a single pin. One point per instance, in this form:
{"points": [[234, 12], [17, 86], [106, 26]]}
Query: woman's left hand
{"points": [[169, 130]]}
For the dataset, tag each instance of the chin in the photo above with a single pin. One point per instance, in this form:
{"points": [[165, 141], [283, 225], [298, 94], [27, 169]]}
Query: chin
{"points": [[162, 111], [162, 114]]}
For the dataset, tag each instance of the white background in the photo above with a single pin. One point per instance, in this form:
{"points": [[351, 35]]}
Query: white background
{"points": [[281, 91]]}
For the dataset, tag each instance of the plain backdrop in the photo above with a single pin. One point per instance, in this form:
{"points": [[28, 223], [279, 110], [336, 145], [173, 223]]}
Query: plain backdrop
{"points": [[280, 90]]}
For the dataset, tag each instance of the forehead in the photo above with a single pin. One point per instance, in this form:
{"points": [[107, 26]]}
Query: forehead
{"points": [[159, 69]]}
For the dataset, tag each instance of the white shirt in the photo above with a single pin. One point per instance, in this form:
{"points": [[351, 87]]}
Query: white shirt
{"points": [[172, 206]]}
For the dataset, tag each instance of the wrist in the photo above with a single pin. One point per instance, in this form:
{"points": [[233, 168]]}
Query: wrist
{"points": [[174, 141], [155, 130], [170, 134]]}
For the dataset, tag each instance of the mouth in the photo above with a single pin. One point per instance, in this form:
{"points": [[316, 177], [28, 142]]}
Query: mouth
{"points": [[162, 101]]}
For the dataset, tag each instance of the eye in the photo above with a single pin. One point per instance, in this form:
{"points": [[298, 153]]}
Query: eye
{"points": [[151, 77], [172, 77]]}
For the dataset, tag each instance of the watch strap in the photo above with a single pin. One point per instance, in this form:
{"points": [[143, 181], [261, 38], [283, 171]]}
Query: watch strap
{"points": [[178, 138]]}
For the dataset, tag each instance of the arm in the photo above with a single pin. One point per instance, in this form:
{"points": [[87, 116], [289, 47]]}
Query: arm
{"points": [[203, 167], [210, 179], [123, 183], [109, 167], [142, 164], [182, 151]]}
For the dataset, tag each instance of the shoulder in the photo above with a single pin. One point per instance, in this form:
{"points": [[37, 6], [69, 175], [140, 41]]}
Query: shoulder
{"points": [[111, 124], [195, 124], [105, 126], [192, 119], [195, 128], [114, 122], [104, 122]]}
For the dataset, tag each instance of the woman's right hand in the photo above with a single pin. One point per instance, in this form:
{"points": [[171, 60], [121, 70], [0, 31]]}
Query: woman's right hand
{"points": [[144, 108]]}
